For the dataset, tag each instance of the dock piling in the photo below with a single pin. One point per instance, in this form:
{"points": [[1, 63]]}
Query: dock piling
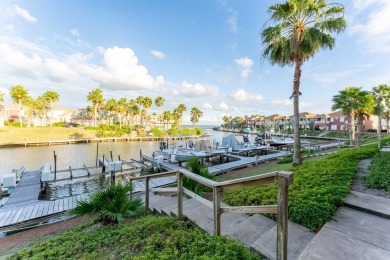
{"points": [[55, 165]]}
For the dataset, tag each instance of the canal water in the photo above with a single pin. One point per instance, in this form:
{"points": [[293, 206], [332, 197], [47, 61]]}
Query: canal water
{"points": [[76, 155]]}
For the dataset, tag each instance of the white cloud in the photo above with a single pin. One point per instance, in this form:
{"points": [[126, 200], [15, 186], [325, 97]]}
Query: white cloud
{"points": [[9, 27], [223, 107], [282, 102], [207, 106], [243, 95], [197, 90], [245, 65], [158, 54], [372, 30], [24, 14], [232, 21], [120, 70], [75, 32]]}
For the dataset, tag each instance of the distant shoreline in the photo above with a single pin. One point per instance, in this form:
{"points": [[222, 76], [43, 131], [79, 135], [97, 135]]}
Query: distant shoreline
{"points": [[96, 140]]}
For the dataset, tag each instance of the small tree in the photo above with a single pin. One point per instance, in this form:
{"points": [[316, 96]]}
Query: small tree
{"points": [[19, 95]]}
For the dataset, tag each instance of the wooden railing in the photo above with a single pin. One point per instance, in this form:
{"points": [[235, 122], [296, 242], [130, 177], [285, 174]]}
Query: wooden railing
{"points": [[283, 180]]}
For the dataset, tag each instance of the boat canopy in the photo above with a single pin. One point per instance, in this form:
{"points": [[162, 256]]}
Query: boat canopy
{"points": [[229, 141], [203, 145]]}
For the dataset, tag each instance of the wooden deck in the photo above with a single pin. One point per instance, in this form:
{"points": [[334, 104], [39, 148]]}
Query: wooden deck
{"points": [[222, 168], [23, 204]]}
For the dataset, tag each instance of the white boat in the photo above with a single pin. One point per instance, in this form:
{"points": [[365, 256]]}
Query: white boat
{"points": [[280, 141], [182, 154]]}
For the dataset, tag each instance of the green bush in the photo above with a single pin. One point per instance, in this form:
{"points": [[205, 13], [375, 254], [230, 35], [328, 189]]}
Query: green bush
{"points": [[319, 187], [157, 132], [173, 131], [110, 205], [379, 176], [17, 124], [287, 159], [58, 124], [146, 237], [196, 167]]}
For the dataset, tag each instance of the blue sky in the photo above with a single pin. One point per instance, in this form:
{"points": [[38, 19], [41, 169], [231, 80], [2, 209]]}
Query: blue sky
{"points": [[204, 53]]}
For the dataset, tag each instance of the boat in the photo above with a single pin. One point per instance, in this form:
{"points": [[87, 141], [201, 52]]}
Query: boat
{"points": [[233, 145], [280, 141], [182, 154]]}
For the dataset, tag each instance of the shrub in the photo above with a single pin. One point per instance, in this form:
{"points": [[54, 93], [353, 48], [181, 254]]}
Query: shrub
{"points": [[379, 176], [194, 166], [146, 237], [287, 159], [17, 124], [157, 132], [319, 187], [110, 205]]}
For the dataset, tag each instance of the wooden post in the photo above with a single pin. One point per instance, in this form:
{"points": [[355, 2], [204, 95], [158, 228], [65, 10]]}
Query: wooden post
{"points": [[282, 224], [217, 210], [103, 167], [70, 170], [179, 194], [147, 192], [111, 155], [112, 177], [55, 165], [97, 154]]}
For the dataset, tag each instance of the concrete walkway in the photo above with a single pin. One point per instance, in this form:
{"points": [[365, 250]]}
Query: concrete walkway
{"points": [[360, 230]]}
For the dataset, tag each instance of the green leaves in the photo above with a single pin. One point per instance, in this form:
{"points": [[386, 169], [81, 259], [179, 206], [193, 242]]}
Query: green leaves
{"points": [[379, 177], [111, 205], [319, 187]]}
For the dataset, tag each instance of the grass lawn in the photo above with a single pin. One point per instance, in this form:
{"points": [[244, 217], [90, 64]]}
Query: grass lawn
{"points": [[11, 134]]}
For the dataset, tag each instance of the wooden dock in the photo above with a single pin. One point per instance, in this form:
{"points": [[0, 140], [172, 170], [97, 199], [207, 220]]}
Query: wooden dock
{"points": [[242, 162], [23, 205]]}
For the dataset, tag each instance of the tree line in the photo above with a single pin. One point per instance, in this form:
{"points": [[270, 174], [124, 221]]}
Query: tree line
{"points": [[126, 111]]}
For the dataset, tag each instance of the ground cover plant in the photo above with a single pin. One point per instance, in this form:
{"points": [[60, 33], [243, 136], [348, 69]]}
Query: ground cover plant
{"points": [[379, 175], [319, 187], [145, 237]]}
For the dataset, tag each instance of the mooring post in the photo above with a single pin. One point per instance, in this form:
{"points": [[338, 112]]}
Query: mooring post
{"points": [[112, 177], [103, 166], [71, 174], [55, 165], [97, 153], [111, 155], [140, 154]]}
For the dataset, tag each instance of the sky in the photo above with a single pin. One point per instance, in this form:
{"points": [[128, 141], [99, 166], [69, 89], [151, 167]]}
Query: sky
{"points": [[204, 53]]}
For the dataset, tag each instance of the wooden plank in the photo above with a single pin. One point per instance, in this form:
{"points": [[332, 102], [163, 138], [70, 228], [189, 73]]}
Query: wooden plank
{"points": [[251, 209], [34, 211], [25, 214], [39, 211], [4, 218], [30, 210], [51, 207], [56, 205], [16, 216]]}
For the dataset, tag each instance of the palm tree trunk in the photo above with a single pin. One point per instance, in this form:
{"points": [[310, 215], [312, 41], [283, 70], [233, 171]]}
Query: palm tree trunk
{"points": [[379, 131], [359, 130], [297, 137], [352, 130], [20, 113]]}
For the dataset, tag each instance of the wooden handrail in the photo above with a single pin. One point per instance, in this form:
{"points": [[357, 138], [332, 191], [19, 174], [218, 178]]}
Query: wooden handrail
{"points": [[283, 179]]}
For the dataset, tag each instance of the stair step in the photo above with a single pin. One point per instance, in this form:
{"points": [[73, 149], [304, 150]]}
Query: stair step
{"points": [[355, 235], [298, 238], [250, 229], [368, 203], [203, 217]]}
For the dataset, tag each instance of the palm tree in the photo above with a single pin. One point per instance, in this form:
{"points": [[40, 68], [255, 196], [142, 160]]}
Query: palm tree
{"points": [[176, 117], [167, 117], [181, 108], [365, 107], [111, 205], [49, 98], [97, 100], [196, 114], [133, 109], [297, 30], [111, 108], [19, 95], [382, 98], [159, 102], [226, 121], [121, 109], [346, 101], [147, 103]]}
